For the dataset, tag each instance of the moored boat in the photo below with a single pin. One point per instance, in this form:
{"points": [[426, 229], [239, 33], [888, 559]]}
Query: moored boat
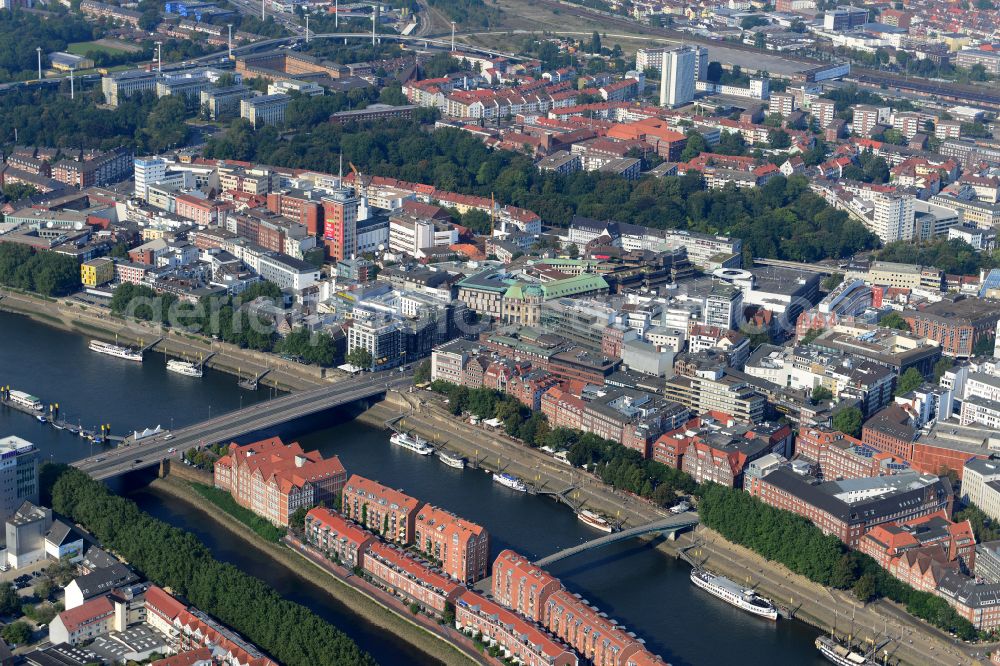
{"points": [[25, 400], [733, 594], [41, 419], [184, 368], [840, 654], [592, 519], [412, 443], [511, 481], [458, 462], [117, 351]]}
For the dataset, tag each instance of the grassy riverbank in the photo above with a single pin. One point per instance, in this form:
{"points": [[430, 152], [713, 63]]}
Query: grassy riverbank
{"points": [[363, 605], [262, 528]]}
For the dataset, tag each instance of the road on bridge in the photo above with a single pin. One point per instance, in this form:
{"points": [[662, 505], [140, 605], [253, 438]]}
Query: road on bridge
{"points": [[235, 424]]}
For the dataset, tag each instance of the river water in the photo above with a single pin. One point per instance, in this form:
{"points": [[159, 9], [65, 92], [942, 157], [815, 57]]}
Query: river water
{"points": [[641, 588]]}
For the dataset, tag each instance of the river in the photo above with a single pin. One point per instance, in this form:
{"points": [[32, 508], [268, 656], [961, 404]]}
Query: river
{"points": [[640, 587]]}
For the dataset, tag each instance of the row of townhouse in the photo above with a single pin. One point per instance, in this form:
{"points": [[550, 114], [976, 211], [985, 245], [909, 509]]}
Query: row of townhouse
{"points": [[460, 546], [540, 597], [417, 581]]}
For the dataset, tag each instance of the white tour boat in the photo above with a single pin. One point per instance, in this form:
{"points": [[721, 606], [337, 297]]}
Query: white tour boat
{"points": [[733, 594], [117, 351], [26, 400], [594, 520], [510, 481], [458, 462], [184, 368], [414, 444]]}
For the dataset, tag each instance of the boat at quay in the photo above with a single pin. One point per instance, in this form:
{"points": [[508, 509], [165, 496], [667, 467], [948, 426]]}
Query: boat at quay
{"points": [[731, 593]]}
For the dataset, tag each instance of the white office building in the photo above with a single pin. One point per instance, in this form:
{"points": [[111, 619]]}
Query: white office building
{"points": [[893, 217], [677, 77], [287, 272], [265, 109], [148, 170], [18, 474]]}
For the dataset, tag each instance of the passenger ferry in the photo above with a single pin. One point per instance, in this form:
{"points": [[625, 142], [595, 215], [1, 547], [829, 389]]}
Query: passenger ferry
{"points": [[26, 400], [510, 481], [733, 594], [593, 520], [117, 351], [835, 651], [184, 368], [414, 444], [458, 462]]}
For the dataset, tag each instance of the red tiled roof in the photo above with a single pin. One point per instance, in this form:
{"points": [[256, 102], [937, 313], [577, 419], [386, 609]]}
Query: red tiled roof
{"points": [[162, 603], [338, 523], [360, 484], [411, 566], [90, 611], [280, 463], [186, 658], [528, 632]]}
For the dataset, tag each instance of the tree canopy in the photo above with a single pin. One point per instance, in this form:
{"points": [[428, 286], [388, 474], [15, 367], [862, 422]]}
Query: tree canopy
{"points": [[953, 256], [849, 421], [173, 558], [47, 273], [782, 219]]}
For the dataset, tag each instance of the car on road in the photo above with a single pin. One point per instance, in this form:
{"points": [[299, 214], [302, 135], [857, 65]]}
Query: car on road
{"points": [[168, 436], [172, 449], [101, 459], [137, 461]]}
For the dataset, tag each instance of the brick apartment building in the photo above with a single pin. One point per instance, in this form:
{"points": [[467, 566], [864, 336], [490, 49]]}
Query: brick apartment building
{"points": [[956, 325], [916, 551], [849, 509], [461, 546], [390, 513], [409, 578], [332, 534], [522, 586], [103, 169], [524, 641], [841, 456], [722, 459], [533, 593], [562, 408], [631, 418], [891, 431], [302, 206], [273, 479]]}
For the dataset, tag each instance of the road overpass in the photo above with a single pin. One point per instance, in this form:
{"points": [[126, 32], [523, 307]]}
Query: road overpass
{"points": [[230, 426], [824, 269], [670, 525]]}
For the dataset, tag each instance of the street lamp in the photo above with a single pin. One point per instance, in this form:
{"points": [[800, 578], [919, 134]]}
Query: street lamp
{"points": [[38, 49], [230, 26], [307, 27], [452, 36], [263, 3], [72, 90], [159, 58], [336, 13]]}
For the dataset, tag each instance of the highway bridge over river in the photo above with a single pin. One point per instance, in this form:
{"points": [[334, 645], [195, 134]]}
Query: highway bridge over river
{"points": [[227, 427]]}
